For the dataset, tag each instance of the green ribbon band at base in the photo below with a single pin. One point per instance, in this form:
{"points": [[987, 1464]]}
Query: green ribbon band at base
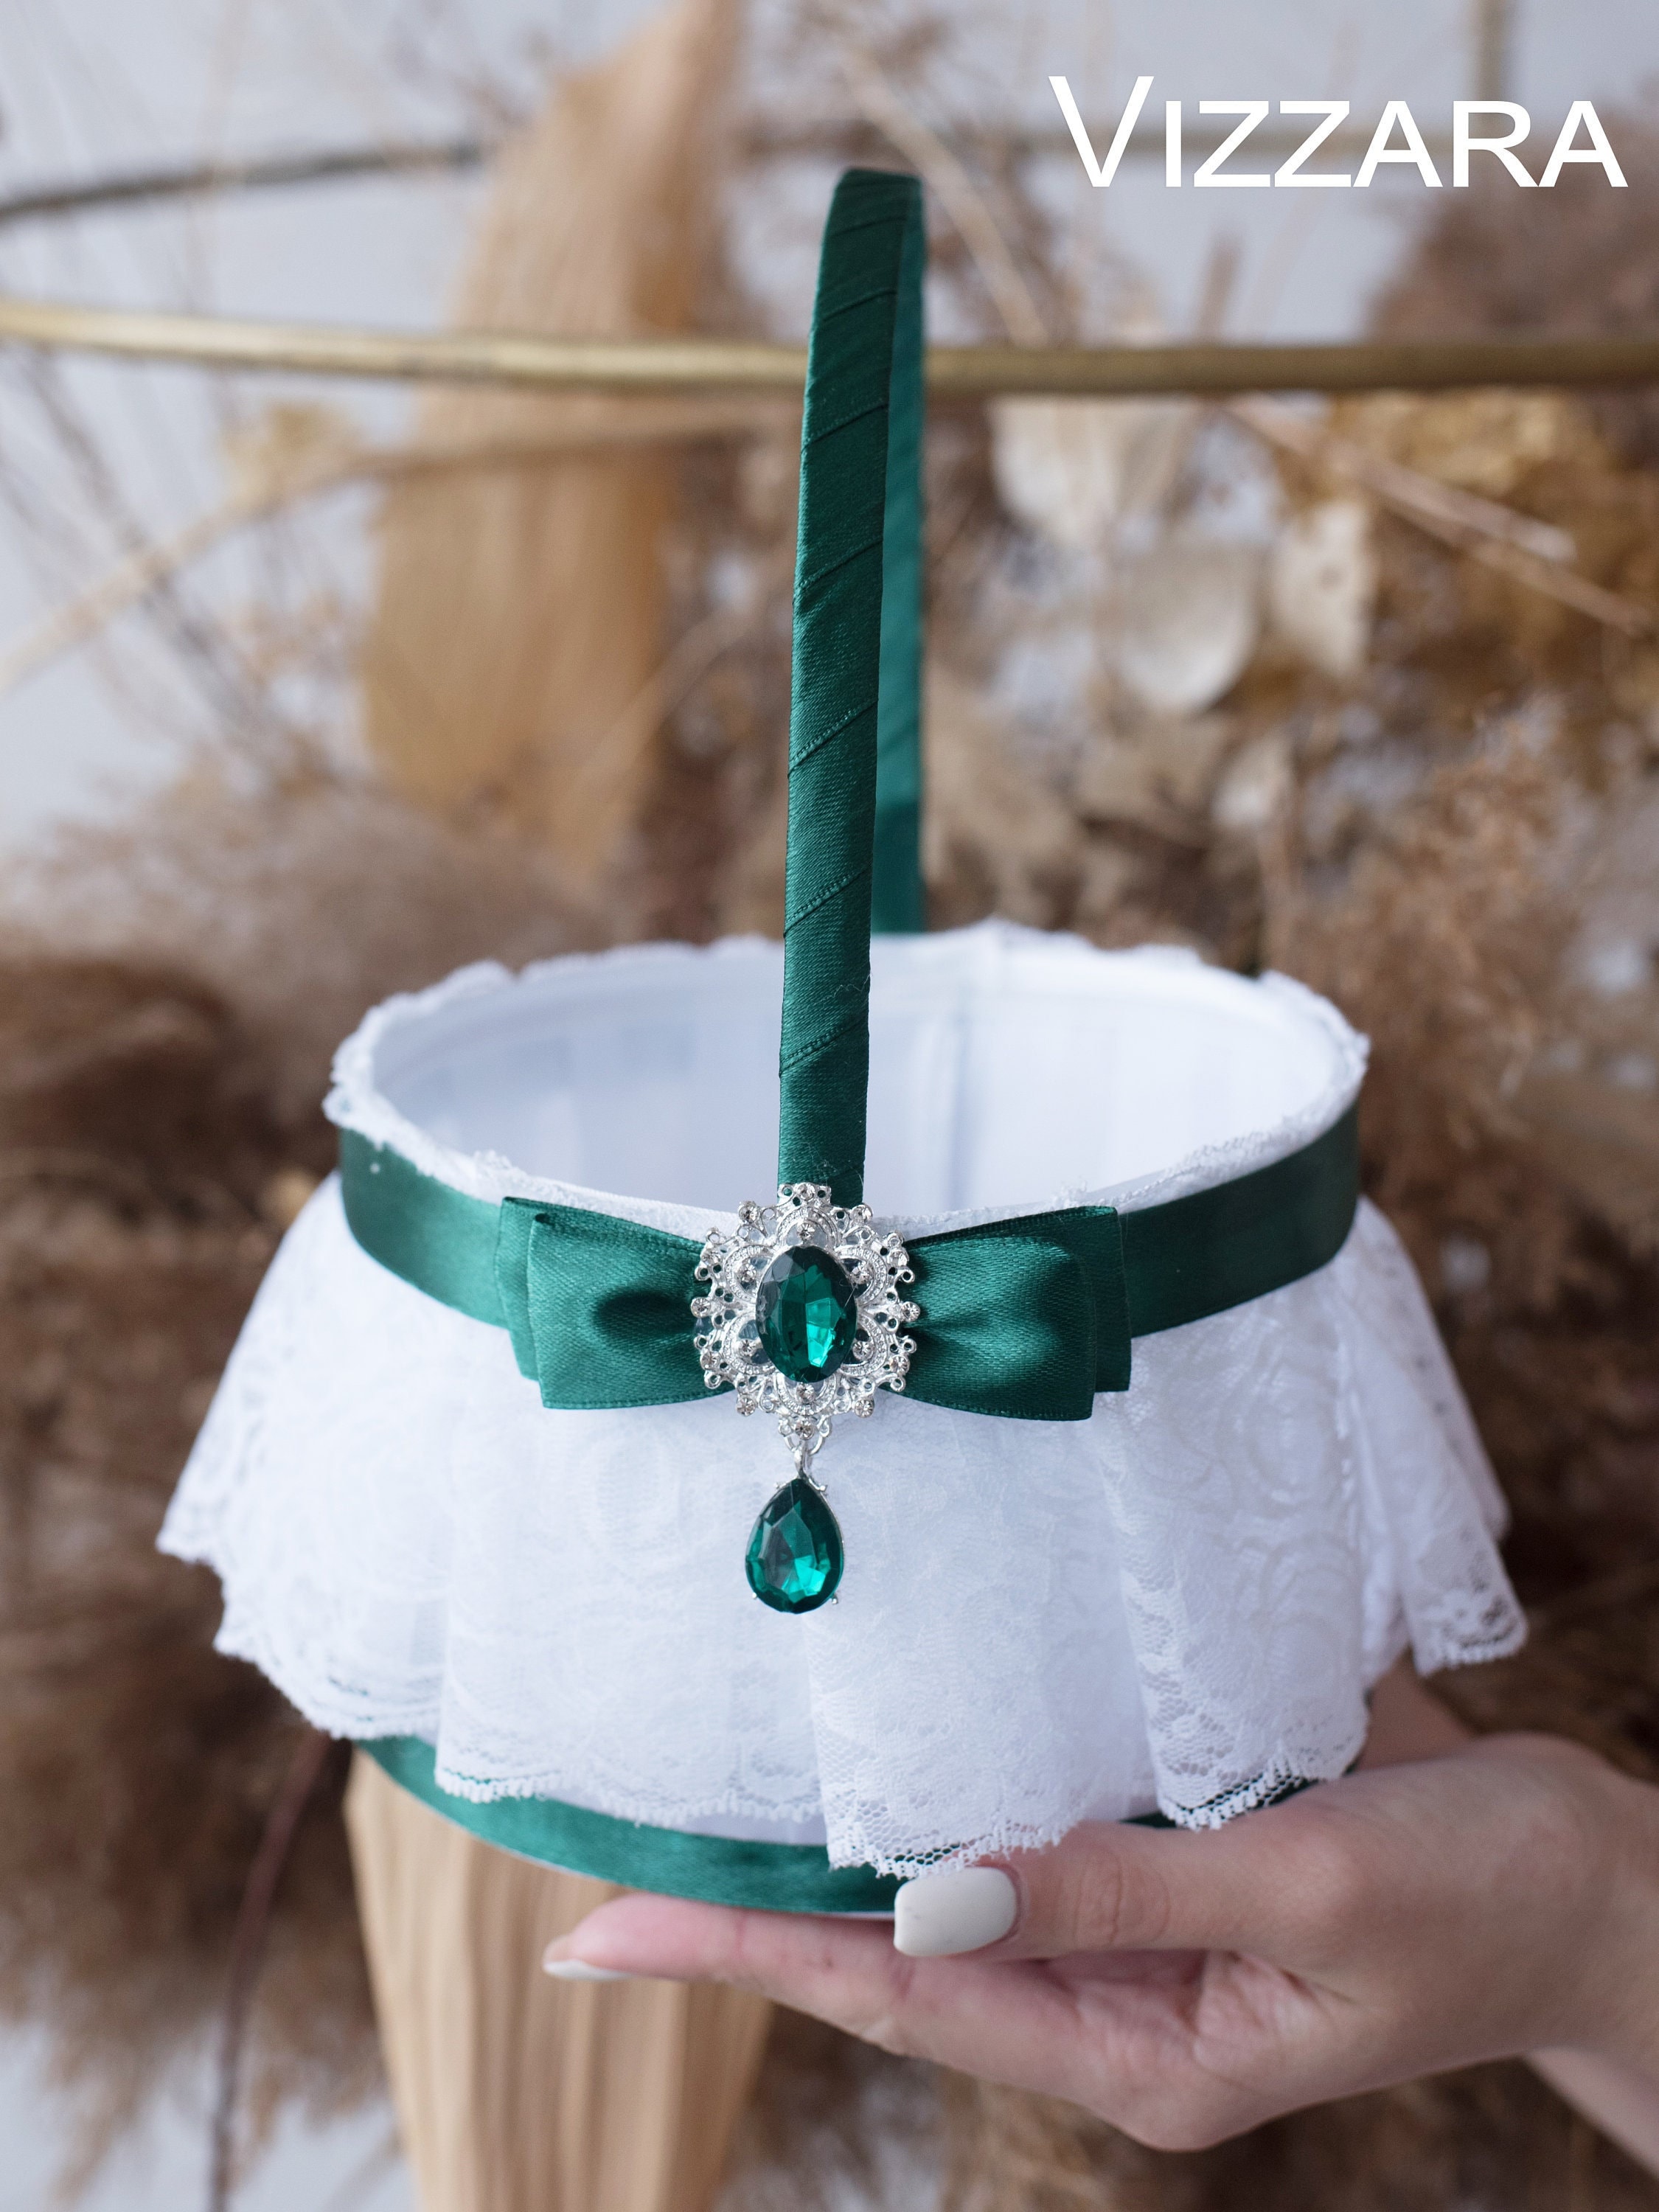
{"points": [[1027, 1319], [670, 1862], [718, 1870]]}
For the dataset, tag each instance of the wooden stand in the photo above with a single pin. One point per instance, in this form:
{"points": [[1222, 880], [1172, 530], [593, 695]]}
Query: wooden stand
{"points": [[515, 2092]]}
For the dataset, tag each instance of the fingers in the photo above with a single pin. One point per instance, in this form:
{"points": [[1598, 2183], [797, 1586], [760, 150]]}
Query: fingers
{"points": [[1009, 2022], [1257, 1886], [674, 1939], [1182, 1986], [1111, 1888], [1123, 2047], [1267, 1885]]}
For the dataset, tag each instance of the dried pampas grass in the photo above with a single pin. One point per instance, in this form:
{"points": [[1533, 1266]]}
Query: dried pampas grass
{"points": [[1447, 946], [1583, 259], [166, 1019], [300, 904], [138, 1166], [521, 614]]}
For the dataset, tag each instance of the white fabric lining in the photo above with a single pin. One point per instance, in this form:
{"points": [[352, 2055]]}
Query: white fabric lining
{"points": [[408, 1033]]}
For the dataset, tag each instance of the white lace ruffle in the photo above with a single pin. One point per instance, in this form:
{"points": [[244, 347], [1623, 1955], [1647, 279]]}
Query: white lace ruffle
{"points": [[1179, 1602]]}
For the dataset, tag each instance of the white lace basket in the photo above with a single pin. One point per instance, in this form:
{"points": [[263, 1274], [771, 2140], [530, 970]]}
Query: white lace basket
{"points": [[1163, 1465]]}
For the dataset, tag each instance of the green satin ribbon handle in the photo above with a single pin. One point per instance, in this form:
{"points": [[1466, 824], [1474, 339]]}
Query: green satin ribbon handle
{"points": [[1028, 1318], [855, 645], [898, 902]]}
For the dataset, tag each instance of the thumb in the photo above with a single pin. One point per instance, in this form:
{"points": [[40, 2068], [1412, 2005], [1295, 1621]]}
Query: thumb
{"points": [[1259, 1885]]}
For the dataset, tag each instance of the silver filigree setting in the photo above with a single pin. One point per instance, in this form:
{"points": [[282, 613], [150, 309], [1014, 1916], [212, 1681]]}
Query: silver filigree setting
{"points": [[728, 1336]]}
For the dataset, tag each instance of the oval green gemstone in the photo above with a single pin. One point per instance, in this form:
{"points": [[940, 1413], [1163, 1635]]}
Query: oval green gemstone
{"points": [[794, 1558], [807, 1313]]}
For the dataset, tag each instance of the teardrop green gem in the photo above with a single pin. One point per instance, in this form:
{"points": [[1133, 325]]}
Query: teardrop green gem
{"points": [[807, 1313], [794, 1558]]}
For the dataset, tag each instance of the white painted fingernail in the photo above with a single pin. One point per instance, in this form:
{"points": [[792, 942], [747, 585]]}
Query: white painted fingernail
{"points": [[578, 1970], [959, 1908]]}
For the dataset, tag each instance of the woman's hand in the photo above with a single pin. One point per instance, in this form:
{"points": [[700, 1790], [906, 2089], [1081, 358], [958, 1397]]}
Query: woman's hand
{"points": [[1499, 1898]]}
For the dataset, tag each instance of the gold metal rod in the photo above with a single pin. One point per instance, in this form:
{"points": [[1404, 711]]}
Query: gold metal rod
{"points": [[659, 365], [642, 365], [1365, 365]]}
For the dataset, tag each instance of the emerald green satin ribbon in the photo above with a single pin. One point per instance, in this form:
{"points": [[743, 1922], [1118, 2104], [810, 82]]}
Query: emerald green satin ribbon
{"points": [[854, 773], [720, 1869], [898, 904], [1028, 1318], [671, 1861], [598, 1309]]}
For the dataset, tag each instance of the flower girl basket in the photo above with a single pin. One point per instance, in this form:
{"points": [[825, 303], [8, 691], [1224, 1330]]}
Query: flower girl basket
{"points": [[1097, 1472]]}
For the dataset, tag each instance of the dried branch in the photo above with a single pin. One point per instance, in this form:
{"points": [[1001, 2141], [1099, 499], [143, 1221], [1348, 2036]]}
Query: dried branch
{"points": [[1533, 553], [684, 668], [956, 193], [150, 566], [1426, 499], [843, 141], [188, 180], [847, 138], [209, 654]]}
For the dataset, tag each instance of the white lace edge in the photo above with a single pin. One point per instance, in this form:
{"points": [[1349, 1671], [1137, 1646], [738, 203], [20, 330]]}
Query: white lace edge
{"points": [[357, 1103], [237, 1638], [1437, 1657], [1285, 1772]]}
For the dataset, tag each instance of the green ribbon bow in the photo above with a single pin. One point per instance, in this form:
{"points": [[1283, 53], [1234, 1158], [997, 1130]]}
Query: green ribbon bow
{"points": [[1028, 1318]]}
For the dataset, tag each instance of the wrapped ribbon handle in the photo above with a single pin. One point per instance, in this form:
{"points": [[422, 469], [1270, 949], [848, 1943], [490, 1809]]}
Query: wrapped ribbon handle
{"points": [[854, 721]]}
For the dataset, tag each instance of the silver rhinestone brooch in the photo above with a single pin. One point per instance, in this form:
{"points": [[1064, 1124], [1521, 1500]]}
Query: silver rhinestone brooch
{"points": [[804, 1317]]}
